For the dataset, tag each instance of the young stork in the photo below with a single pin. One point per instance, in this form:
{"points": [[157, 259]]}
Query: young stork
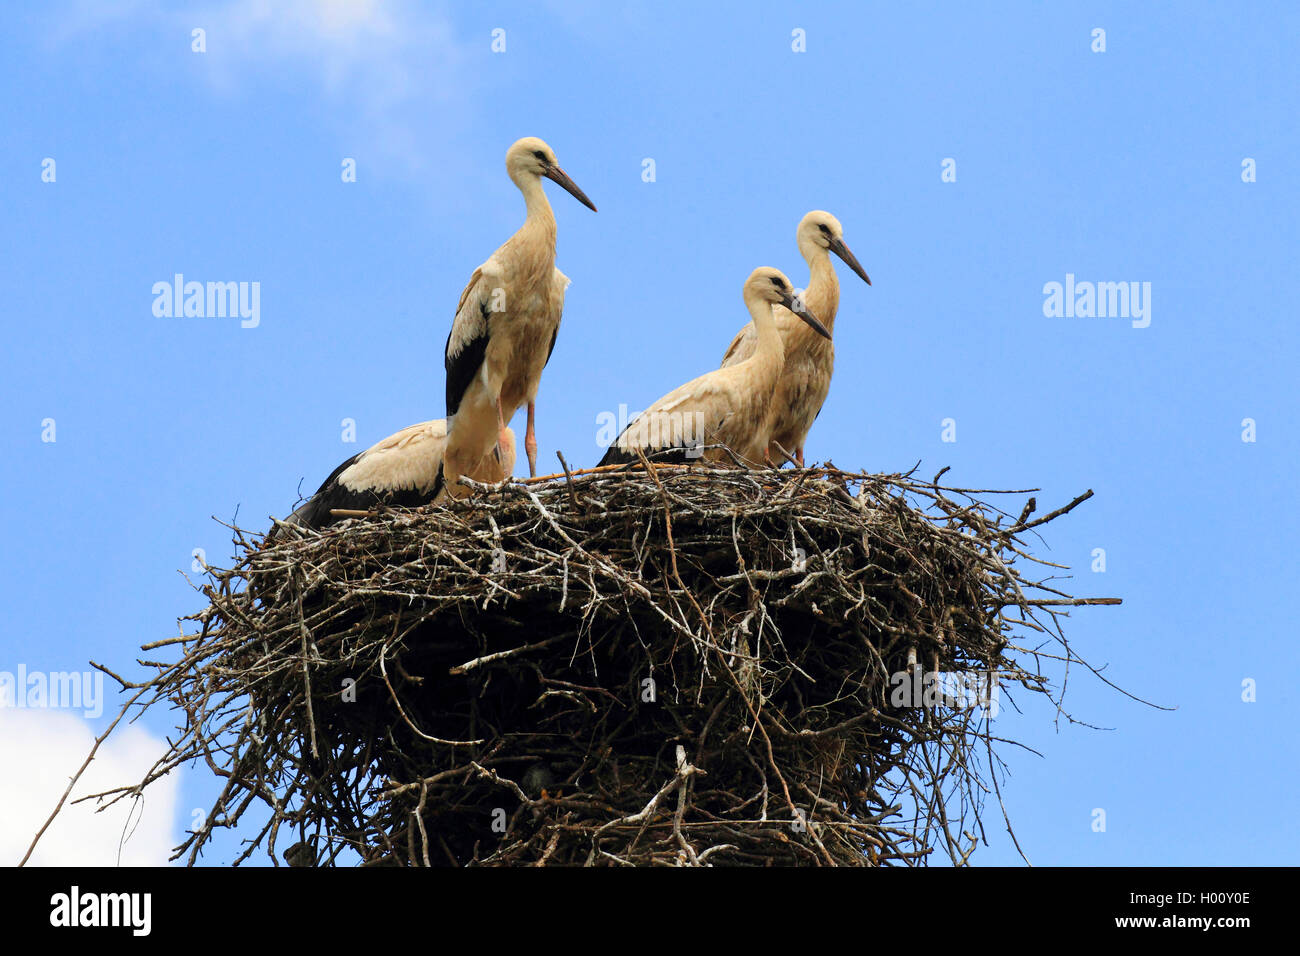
{"points": [[400, 470], [729, 406], [506, 322], [809, 359]]}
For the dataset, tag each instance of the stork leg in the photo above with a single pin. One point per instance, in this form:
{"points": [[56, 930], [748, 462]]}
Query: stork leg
{"points": [[798, 454], [501, 431], [530, 442]]}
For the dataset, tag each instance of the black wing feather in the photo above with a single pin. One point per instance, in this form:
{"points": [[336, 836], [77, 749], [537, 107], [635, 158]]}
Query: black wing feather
{"points": [[308, 513], [464, 365], [554, 332], [315, 511], [671, 454], [680, 455]]}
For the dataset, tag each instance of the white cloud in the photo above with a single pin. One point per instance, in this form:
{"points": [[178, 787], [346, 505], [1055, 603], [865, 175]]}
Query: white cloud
{"points": [[40, 750], [391, 76]]}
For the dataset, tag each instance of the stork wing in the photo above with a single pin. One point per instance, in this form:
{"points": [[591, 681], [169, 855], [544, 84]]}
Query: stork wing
{"points": [[467, 341], [687, 416], [406, 460], [742, 346], [401, 468], [559, 282]]}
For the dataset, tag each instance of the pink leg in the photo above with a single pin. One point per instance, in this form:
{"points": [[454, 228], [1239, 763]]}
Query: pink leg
{"points": [[798, 454], [501, 429], [530, 442]]}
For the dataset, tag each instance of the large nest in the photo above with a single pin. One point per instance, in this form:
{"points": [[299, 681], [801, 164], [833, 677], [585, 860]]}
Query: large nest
{"points": [[662, 665]]}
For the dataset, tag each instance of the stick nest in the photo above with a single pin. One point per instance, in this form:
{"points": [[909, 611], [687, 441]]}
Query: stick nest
{"points": [[650, 666]]}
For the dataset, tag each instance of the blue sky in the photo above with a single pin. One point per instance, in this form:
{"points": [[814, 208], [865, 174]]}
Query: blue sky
{"points": [[1123, 165]]}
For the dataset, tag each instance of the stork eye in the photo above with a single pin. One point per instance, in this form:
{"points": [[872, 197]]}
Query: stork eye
{"points": [[822, 227], [777, 282], [540, 155]]}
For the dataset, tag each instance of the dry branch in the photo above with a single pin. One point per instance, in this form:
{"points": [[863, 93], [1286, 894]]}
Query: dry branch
{"points": [[655, 666]]}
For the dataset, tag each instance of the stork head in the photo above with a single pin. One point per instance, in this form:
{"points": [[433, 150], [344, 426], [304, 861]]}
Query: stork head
{"points": [[769, 285], [531, 157], [820, 230]]}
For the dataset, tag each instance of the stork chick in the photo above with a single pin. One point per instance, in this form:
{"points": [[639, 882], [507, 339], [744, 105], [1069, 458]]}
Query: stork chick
{"points": [[809, 359], [729, 406], [506, 323], [401, 470]]}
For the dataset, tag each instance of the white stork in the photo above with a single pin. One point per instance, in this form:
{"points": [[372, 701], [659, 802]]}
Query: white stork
{"points": [[401, 470], [506, 323], [809, 359], [729, 406]]}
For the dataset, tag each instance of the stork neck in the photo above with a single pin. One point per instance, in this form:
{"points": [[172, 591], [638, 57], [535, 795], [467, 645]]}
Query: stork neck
{"points": [[823, 293], [769, 344], [535, 201]]}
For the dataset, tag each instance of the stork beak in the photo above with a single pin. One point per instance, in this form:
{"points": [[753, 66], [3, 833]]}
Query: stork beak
{"points": [[838, 247], [556, 174], [797, 307]]}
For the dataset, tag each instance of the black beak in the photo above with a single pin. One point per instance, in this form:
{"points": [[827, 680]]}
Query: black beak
{"points": [[797, 307], [556, 174], [838, 247]]}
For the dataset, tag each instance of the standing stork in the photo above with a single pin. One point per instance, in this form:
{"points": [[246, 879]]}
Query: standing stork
{"points": [[506, 323], [809, 359], [729, 406], [401, 470]]}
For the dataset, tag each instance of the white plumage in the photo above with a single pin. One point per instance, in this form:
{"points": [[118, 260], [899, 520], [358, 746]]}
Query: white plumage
{"points": [[506, 322], [402, 469], [729, 406], [809, 358]]}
